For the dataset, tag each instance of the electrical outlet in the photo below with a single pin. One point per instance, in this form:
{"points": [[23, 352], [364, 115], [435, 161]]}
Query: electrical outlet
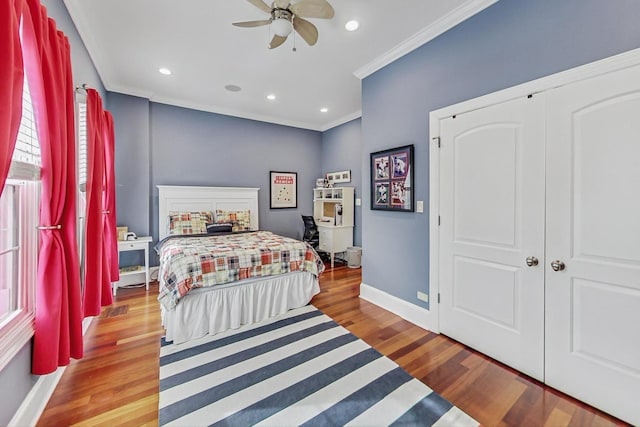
{"points": [[423, 297]]}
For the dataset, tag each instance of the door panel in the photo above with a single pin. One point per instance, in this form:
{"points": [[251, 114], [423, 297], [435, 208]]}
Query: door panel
{"points": [[492, 219], [501, 281], [491, 224], [593, 226]]}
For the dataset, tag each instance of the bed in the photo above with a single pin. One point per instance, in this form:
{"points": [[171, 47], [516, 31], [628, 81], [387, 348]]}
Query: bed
{"points": [[211, 282]]}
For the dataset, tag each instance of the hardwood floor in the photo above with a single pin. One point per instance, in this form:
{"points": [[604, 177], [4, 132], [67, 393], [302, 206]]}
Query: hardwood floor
{"points": [[116, 383]]}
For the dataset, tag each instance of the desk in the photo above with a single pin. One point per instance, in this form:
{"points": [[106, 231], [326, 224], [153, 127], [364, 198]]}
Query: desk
{"points": [[140, 244], [334, 238]]}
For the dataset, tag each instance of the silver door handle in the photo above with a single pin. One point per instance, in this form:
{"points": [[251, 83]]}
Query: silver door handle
{"points": [[532, 261], [557, 265]]}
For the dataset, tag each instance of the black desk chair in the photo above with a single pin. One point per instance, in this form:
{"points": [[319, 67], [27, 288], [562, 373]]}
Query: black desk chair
{"points": [[311, 234]]}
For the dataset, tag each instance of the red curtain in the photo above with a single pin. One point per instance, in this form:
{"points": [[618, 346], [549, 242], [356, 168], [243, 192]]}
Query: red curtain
{"points": [[11, 77], [97, 283], [58, 324], [110, 235]]}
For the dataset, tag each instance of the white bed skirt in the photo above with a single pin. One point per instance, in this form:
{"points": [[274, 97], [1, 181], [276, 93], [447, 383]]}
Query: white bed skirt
{"points": [[213, 310]]}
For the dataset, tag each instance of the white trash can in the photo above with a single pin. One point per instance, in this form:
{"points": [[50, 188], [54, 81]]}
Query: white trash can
{"points": [[354, 256]]}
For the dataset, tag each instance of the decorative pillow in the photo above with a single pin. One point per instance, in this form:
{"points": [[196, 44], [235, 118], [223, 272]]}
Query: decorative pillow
{"points": [[189, 222], [222, 227], [240, 220]]}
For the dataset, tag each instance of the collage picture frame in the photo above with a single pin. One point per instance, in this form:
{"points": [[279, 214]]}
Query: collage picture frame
{"points": [[392, 179]]}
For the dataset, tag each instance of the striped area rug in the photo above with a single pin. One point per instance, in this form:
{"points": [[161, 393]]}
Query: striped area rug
{"points": [[300, 368]]}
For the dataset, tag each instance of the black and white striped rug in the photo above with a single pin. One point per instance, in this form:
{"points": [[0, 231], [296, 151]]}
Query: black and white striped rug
{"points": [[300, 368]]}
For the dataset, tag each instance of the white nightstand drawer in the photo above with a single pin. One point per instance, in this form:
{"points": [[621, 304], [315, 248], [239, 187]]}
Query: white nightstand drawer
{"points": [[131, 245]]}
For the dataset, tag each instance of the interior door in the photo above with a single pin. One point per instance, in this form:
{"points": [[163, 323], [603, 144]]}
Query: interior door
{"points": [[492, 219], [593, 232]]}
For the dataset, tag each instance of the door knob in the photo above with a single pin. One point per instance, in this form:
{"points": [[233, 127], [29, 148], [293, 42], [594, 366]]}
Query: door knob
{"points": [[557, 265], [532, 261]]}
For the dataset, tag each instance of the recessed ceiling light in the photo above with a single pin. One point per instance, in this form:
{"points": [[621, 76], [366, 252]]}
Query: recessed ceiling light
{"points": [[324, 109], [271, 97], [352, 25], [165, 71], [233, 88]]}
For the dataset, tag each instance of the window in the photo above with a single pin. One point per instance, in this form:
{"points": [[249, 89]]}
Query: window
{"points": [[19, 205]]}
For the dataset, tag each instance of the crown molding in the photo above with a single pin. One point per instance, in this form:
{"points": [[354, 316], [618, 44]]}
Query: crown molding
{"points": [[342, 120], [425, 35]]}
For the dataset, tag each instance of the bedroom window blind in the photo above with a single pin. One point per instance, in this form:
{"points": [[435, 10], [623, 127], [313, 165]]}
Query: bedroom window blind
{"points": [[82, 146], [26, 160]]}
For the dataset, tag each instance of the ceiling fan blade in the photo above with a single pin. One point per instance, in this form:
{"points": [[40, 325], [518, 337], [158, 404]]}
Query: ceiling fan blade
{"points": [[248, 24], [281, 4], [312, 9], [276, 41], [306, 29], [260, 5]]}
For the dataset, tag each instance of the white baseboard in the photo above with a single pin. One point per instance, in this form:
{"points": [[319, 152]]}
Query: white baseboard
{"points": [[34, 403], [410, 312]]}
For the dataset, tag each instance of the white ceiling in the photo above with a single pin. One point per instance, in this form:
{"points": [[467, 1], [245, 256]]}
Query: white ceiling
{"points": [[129, 40]]}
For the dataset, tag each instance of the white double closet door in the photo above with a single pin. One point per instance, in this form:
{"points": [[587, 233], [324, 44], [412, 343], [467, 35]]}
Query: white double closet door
{"points": [[540, 237]]}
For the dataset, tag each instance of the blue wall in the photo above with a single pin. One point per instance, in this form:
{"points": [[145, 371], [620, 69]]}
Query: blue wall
{"points": [[341, 149], [158, 144], [190, 147], [132, 161], [512, 42]]}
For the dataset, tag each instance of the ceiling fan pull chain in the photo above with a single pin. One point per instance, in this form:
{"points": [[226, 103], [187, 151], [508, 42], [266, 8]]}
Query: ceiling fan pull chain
{"points": [[294, 42]]}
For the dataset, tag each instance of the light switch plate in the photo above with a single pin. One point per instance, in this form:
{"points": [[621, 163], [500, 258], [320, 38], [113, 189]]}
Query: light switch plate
{"points": [[358, 202], [420, 206]]}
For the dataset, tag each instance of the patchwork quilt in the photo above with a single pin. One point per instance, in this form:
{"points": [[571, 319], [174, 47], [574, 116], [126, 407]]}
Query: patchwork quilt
{"points": [[201, 261]]}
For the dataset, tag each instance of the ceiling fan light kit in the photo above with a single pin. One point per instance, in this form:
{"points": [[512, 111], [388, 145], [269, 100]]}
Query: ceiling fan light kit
{"points": [[281, 22], [287, 16]]}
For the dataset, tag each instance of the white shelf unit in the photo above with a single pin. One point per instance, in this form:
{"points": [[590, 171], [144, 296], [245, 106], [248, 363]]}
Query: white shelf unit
{"points": [[336, 231]]}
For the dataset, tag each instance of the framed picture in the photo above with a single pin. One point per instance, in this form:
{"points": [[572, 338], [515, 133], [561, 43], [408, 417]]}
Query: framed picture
{"points": [[283, 190], [338, 177], [392, 179]]}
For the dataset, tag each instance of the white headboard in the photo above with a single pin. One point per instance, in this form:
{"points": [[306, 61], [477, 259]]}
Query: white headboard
{"points": [[191, 199]]}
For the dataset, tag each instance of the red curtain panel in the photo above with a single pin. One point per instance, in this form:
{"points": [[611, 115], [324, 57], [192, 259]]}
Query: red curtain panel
{"points": [[58, 324], [97, 284], [11, 76], [110, 235]]}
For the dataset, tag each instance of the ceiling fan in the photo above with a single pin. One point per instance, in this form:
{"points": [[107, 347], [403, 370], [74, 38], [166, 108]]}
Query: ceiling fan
{"points": [[287, 16]]}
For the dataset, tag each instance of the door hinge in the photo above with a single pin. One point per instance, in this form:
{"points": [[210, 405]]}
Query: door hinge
{"points": [[438, 297], [438, 220], [437, 140]]}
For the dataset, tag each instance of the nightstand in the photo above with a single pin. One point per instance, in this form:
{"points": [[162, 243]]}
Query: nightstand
{"points": [[140, 244]]}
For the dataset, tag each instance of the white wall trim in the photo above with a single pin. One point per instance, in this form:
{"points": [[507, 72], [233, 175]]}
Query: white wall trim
{"points": [[434, 212], [36, 400], [583, 72], [425, 35], [410, 312]]}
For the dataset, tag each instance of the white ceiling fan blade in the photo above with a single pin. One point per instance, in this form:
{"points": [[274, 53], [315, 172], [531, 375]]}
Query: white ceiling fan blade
{"points": [[260, 5], [312, 9], [281, 4], [307, 30], [276, 41], [249, 24]]}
